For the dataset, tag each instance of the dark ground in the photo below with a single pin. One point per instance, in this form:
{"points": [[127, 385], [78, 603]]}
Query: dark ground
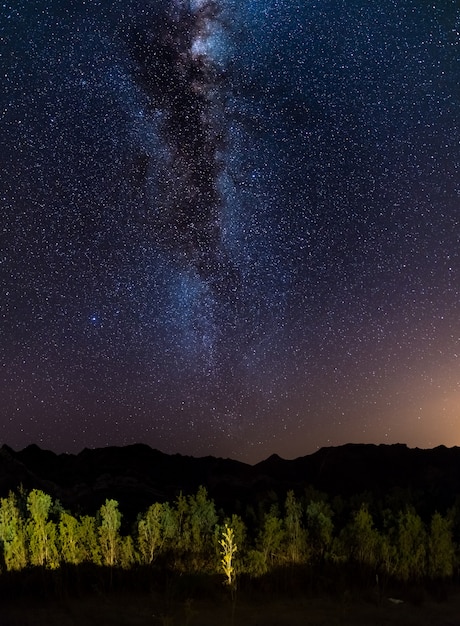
{"points": [[135, 609]]}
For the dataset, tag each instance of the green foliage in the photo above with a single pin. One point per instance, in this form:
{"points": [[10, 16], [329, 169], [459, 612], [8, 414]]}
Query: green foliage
{"points": [[387, 552], [320, 528], [189, 534], [149, 533], [196, 521], [295, 533], [127, 554], [40, 531], [154, 529], [240, 539], [410, 541], [203, 518], [12, 534], [69, 539], [89, 541], [269, 542], [109, 537], [256, 563], [229, 548], [360, 540], [441, 552], [182, 522]]}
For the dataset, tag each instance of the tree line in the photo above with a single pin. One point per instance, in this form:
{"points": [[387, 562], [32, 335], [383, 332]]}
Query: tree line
{"points": [[189, 535]]}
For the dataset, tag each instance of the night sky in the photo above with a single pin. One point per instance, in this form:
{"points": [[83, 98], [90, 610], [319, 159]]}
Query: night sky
{"points": [[229, 227]]}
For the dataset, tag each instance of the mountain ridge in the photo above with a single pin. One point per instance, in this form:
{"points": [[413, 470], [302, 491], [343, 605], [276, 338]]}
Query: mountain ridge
{"points": [[138, 475]]}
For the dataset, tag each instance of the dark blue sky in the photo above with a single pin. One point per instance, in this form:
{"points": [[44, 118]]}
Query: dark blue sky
{"points": [[229, 228]]}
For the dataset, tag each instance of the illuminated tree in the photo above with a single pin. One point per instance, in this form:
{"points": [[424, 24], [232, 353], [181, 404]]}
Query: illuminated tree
{"points": [[239, 538], [109, 537], [154, 529], [12, 535], [149, 533], [127, 552], [410, 542], [40, 531], [89, 541], [69, 539], [196, 521], [229, 547]]}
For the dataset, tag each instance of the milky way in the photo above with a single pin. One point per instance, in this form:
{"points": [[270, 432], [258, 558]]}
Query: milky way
{"points": [[229, 228], [180, 80]]}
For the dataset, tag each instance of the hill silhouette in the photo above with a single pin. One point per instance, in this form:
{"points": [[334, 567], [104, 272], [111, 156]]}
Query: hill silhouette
{"points": [[138, 475]]}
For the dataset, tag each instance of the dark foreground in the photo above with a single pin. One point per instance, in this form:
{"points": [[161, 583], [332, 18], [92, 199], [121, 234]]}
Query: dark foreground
{"points": [[136, 609]]}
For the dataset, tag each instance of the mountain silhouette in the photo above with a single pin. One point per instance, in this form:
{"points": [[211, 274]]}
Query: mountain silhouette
{"points": [[137, 475]]}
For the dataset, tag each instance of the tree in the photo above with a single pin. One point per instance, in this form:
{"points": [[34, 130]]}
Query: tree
{"points": [[441, 553], [154, 529], [320, 528], [108, 532], [229, 547], [203, 518], [359, 543], [410, 541], [127, 552], [182, 522], [69, 539], [268, 544], [387, 550], [362, 538], [41, 531], [295, 537], [200, 529], [12, 535], [169, 523], [240, 539], [89, 541]]}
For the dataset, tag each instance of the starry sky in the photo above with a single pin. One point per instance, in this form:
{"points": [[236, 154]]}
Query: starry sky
{"points": [[227, 227]]}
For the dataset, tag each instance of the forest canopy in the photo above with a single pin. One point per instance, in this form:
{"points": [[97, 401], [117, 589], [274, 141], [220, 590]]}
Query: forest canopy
{"points": [[190, 536]]}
